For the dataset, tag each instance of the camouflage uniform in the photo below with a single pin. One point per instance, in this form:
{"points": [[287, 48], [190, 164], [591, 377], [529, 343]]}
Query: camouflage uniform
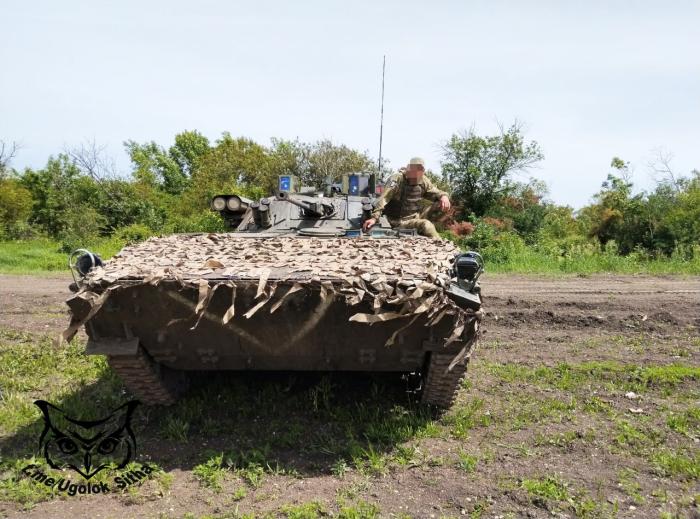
{"points": [[400, 203]]}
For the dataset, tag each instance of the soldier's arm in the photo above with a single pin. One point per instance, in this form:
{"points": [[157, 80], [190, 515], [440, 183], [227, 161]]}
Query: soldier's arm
{"points": [[431, 192], [390, 190]]}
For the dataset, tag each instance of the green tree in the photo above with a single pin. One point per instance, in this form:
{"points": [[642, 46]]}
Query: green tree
{"points": [[479, 169], [15, 206], [7, 153], [170, 170], [289, 158], [52, 190], [618, 214], [153, 166], [330, 161], [189, 147], [656, 221], [524, 207], [438, 181], [681, 222], [658, 207], [233, 165], [315, 163], [120, 203], [559, 223]]}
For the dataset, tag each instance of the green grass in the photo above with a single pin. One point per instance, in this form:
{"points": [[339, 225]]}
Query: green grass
{"points": [[44, 256], [29, 369], [564, 440], [361, 434], [370, 461], [41, 255], [627, 479], [21, 490], [508, 253], [35, 368], [359, 510], [549, 487], [467, 417], [530, 261], [241, 436], [517, 257], [676, 463], [555, 494], [309, 510], [614, 375], [686, 422], [211, 473], [175, 428], [637, 438], [251, 466], [467, 462]]}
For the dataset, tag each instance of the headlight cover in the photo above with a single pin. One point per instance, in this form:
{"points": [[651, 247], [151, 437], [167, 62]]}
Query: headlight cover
{"points": [[233, 203], [219, 203]]}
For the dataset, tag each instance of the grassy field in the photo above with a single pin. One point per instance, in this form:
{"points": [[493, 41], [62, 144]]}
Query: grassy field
{"points": [[582, 401], [530, 261], [42, 256], [340, 446]]}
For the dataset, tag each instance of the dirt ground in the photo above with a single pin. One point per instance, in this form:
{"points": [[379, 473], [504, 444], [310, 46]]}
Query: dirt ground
{"points": [[565, 460], [514, 303]]}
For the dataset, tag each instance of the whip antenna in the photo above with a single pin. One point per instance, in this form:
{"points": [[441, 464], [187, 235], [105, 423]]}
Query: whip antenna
{"points": [[381, 118]]}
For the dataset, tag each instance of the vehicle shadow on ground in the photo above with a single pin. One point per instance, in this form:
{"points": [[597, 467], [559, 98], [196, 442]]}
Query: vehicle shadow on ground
{"points": [[296, 423]]}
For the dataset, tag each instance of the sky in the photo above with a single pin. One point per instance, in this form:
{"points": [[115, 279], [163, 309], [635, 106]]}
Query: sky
{"points": [[588, 80]]}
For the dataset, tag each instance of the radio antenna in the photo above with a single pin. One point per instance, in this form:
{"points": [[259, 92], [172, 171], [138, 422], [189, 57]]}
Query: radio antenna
{"points": [[381, 118]]}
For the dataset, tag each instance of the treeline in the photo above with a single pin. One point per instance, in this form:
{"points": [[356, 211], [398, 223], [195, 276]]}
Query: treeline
{"points": [[80, 196]]}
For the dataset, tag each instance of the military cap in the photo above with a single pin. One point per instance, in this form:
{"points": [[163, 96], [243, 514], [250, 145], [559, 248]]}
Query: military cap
{"points": [[416, 161]]}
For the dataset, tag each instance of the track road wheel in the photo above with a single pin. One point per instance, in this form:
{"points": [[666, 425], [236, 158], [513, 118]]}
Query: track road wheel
{"points": [[441, 386], [151, 382]]}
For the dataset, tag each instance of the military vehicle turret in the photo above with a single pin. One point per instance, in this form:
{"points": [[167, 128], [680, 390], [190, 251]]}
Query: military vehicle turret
{"points": [[295, 285]]}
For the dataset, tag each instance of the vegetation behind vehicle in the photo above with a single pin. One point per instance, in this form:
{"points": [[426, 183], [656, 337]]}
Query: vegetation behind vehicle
{"points": [[80, 199]]}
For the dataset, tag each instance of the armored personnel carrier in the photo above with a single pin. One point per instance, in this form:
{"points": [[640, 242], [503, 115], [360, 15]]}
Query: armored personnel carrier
{"points": [[296, 285]]}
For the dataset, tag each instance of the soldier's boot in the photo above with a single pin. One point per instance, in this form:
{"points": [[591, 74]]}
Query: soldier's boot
{"points": [[427, 228]]}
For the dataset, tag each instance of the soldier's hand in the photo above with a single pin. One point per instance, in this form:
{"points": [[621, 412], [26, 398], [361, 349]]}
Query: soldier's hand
{"points": [[368, 224], [445, 203]]}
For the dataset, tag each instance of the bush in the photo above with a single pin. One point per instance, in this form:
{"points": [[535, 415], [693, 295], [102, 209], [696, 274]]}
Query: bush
{"points": [[565, 246], [686, 253], [495, 245], [461, 228], [504, 248], [134, 233], [499, 224], [482, 235], [18, 231], [82, 225], [15, 208], [124, 204], [202, 222]]}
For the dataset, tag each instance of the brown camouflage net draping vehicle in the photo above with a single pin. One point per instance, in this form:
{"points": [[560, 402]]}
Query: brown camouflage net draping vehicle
{"points": [[296, 286]]}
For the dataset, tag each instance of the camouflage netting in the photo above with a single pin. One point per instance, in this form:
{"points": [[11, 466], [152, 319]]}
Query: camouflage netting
{"points": [[401, 278]]}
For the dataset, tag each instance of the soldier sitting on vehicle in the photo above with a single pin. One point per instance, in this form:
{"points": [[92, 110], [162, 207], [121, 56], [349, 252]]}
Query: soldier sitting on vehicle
{"points": [[401, 199]]}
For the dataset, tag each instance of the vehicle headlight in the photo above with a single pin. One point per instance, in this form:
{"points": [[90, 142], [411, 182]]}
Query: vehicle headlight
{"points": [[219, 203], [467, 268], [233, 203]]}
